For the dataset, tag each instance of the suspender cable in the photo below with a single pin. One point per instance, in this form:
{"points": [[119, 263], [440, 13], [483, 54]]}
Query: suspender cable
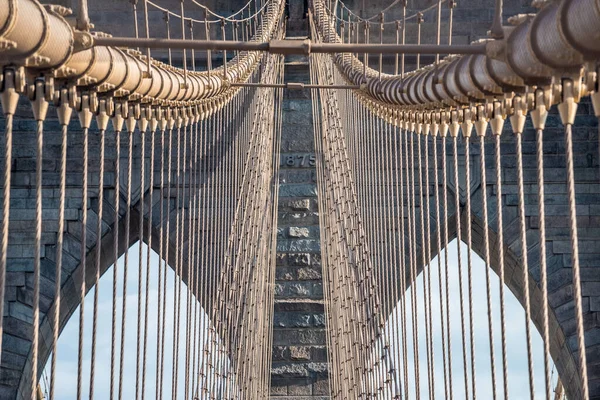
{"points": [[497, 123], [9, 99], [177, 277], [517, 121], [159, 303], [152, 131], [117, 122], [567, 109], [426, 127], [64, 112], [538, 117], [424, 260], [435, 127], [40, 108], [413, 270], [481, 125], [166, 248], [444, 126], [85, 119], [102, 119], [140, 294], [467, 128], [454, 127], [130, 123]]}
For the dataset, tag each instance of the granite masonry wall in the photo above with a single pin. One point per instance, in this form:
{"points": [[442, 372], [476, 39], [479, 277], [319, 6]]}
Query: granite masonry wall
{"points": [[299, 353]]}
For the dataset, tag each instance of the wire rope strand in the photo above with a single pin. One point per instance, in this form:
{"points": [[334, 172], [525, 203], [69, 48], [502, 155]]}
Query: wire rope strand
{"points": [[469, 260], [576, 268], [59, 251], [8, 133], [97, 263], [141, 282], [543, 270], [446, 266], [425, 261], [115, 261], [459, 262], [437, 203], [126, 259], [160, 326], [148, 255], [500, 245], [524, 261], [486, 256], [83, 264], [37, 256]]}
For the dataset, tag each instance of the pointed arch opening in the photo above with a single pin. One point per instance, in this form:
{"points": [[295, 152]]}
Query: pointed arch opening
{"points": [[175, 334], [439, 369]]}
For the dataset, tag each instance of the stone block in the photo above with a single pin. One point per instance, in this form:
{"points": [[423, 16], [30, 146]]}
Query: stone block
{"points": [[321, 387], [15, 278], [299, 390], [299, 205], [300, 259], [16, 345], [298, 245], [298, 190], [300, 352], [309, 273], [289, 371], [285, 274], [298, 232], [595, 303], [21, 312], [292, 320], [278, 390]]}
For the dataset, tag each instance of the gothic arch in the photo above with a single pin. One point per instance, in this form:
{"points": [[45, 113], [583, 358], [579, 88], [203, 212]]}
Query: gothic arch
{"points": [[563, 346]]}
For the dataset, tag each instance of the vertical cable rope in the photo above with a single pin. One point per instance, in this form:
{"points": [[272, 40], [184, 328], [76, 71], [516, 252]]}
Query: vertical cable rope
{"points": [[469, 263], [446, 267], [524, 262], [59, 251], [500, 245], [160, 327], [446, 366], [9, 99], [576, 267], [37, 256], [115, 228], [82, 258], [486, 256], [543, 272], [459, 262], [141, 282], [97, 262], [126, 259], [425, 261]]}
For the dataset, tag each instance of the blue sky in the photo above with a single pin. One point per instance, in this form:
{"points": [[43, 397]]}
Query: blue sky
{"points": [[517, 359], [66, 381], [518, 382]]}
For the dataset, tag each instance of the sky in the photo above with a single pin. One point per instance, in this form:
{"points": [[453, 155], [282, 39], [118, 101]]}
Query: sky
{"points": [[517, 376], [66, 380]]}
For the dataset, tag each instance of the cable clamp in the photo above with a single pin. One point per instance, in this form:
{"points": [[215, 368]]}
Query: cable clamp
{"points": [[568, 105], [9, 96], [37, 95], [517, 119]]}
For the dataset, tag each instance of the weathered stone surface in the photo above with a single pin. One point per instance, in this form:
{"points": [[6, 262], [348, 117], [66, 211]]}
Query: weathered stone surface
{"points": [[300, 205], [300, 353], [298, 232], [298, 289], [309, 273]]}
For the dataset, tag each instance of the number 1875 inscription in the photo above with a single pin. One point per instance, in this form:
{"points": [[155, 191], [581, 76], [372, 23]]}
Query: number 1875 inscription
{"points": [[298, 160]]}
